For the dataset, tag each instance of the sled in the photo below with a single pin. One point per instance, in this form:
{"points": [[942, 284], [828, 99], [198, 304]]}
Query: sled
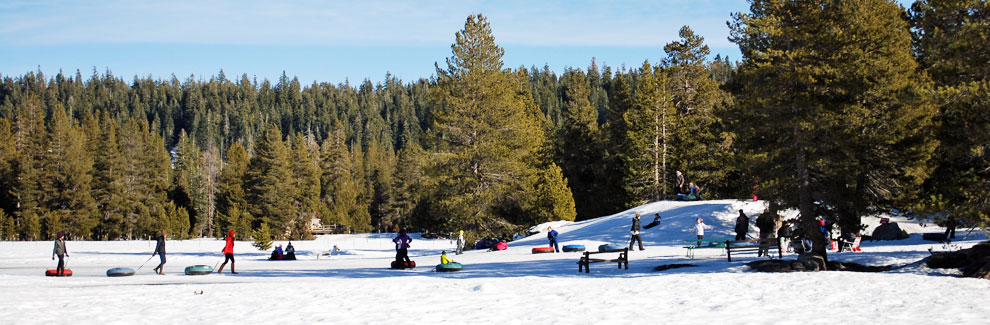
{"points": [[199, 270], [405, 265], [652, 224], [53, 272], [120, 271], [449, 267], [573, 248], [541, 250]]}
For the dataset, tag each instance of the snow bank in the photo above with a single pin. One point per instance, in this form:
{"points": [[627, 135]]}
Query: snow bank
{"points": [[514, 286]]}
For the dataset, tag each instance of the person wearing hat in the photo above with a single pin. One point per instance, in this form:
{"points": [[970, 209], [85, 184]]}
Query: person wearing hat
{"points": [[228, 252], [460, 243], [61, 253], [160, 250], [444, 259]]}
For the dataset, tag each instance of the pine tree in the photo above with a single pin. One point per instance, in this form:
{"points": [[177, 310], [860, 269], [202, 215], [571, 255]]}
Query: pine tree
{"points": [[648, 136], [268, 181], [306, 180], [30, 144], [485, 136], [188, 187], [697, 147], [108, 183], [950, 40], [339, 190], [231, 198], [67, 178], [262, 237], [850, 131], [578, 150], [552, 198]]}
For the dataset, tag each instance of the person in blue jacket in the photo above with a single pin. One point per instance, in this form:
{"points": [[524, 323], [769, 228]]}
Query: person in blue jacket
{"points": [[552, 236]]}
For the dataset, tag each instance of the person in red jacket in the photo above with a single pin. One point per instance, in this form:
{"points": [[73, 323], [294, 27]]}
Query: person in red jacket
{"points": [[228, 252]]}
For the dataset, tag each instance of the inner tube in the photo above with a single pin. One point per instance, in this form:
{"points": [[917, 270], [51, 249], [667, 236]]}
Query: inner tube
{"points": [[199, 270], [573, 248], [449, 267], [52, 272], [540, 250], [610, 247], [120, 271], [408, 265]]}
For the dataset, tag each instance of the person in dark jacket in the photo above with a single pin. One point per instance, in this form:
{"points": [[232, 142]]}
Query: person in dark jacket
{"points": [[784, 233], [402, 248], [160, 250], [290, 252], [742, 225], [766, 224], [680, 182], [636, 225], [552, 236], [61, 252]]}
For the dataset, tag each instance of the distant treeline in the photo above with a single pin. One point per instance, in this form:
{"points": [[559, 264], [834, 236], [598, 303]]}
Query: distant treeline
{"points": [[837, 121]]}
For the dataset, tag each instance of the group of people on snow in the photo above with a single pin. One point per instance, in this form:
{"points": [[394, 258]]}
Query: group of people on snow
{"points": [[289, 254]]}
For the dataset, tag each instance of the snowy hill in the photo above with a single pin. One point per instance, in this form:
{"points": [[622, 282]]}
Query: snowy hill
{"points": [[354, 285]]}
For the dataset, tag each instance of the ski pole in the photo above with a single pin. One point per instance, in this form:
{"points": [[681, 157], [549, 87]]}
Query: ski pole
{"points": [[145, 262]]}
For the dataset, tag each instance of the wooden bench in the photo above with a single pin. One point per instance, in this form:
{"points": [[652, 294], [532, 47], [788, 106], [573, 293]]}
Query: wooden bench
{"points": [[586, 260], [755, 245], [706, 244]]}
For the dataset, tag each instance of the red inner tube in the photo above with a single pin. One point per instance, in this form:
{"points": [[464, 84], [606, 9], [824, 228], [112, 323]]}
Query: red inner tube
{"points": [[537, 250], [51, 272]]}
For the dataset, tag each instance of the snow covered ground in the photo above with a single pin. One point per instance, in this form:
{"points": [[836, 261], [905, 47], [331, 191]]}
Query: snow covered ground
{"points": [[508, 287]]}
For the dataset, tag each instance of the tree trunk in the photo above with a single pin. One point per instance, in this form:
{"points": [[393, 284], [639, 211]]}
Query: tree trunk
{"points": [[808, 220]]}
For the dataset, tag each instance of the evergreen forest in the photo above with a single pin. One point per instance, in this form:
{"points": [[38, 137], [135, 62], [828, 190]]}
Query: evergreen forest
{"points": [[839, 109]]}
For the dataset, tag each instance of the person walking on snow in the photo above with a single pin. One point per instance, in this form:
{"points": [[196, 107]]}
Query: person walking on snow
{"points": [[636, 225], [552, 236], [61, 252], [160, 250], [699, 229], [402, 248], [742, 225], [228, 252], [460, 243], [766, 223]]}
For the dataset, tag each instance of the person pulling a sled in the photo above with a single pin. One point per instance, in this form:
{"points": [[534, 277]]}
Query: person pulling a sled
{"points": [[160, 250], [61, 252], [228, 253]]}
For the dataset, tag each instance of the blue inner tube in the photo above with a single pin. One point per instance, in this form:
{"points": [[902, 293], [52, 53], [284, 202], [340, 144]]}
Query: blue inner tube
{"points": [[573, 248], [199, 270], [120, 271], [610, 247], [449, 267]]}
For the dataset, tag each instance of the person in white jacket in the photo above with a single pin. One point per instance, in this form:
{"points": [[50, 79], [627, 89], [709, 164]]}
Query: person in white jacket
{"points": [[699, 229]]}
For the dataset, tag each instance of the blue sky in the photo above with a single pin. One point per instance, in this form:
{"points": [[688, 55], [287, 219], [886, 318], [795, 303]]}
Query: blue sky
{"points": [[334, 41]]}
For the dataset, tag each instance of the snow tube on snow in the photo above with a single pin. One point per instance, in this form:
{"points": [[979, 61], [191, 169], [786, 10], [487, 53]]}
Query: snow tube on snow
{"points": [[407, 265], [51, 272], [199, 270], [449, 267], [538, 250], [120, 271], [610, 247], [573, 248]]}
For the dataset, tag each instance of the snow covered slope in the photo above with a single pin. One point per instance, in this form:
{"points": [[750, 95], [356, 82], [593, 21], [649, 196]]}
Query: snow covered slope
{"points": [[513, 286]]}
